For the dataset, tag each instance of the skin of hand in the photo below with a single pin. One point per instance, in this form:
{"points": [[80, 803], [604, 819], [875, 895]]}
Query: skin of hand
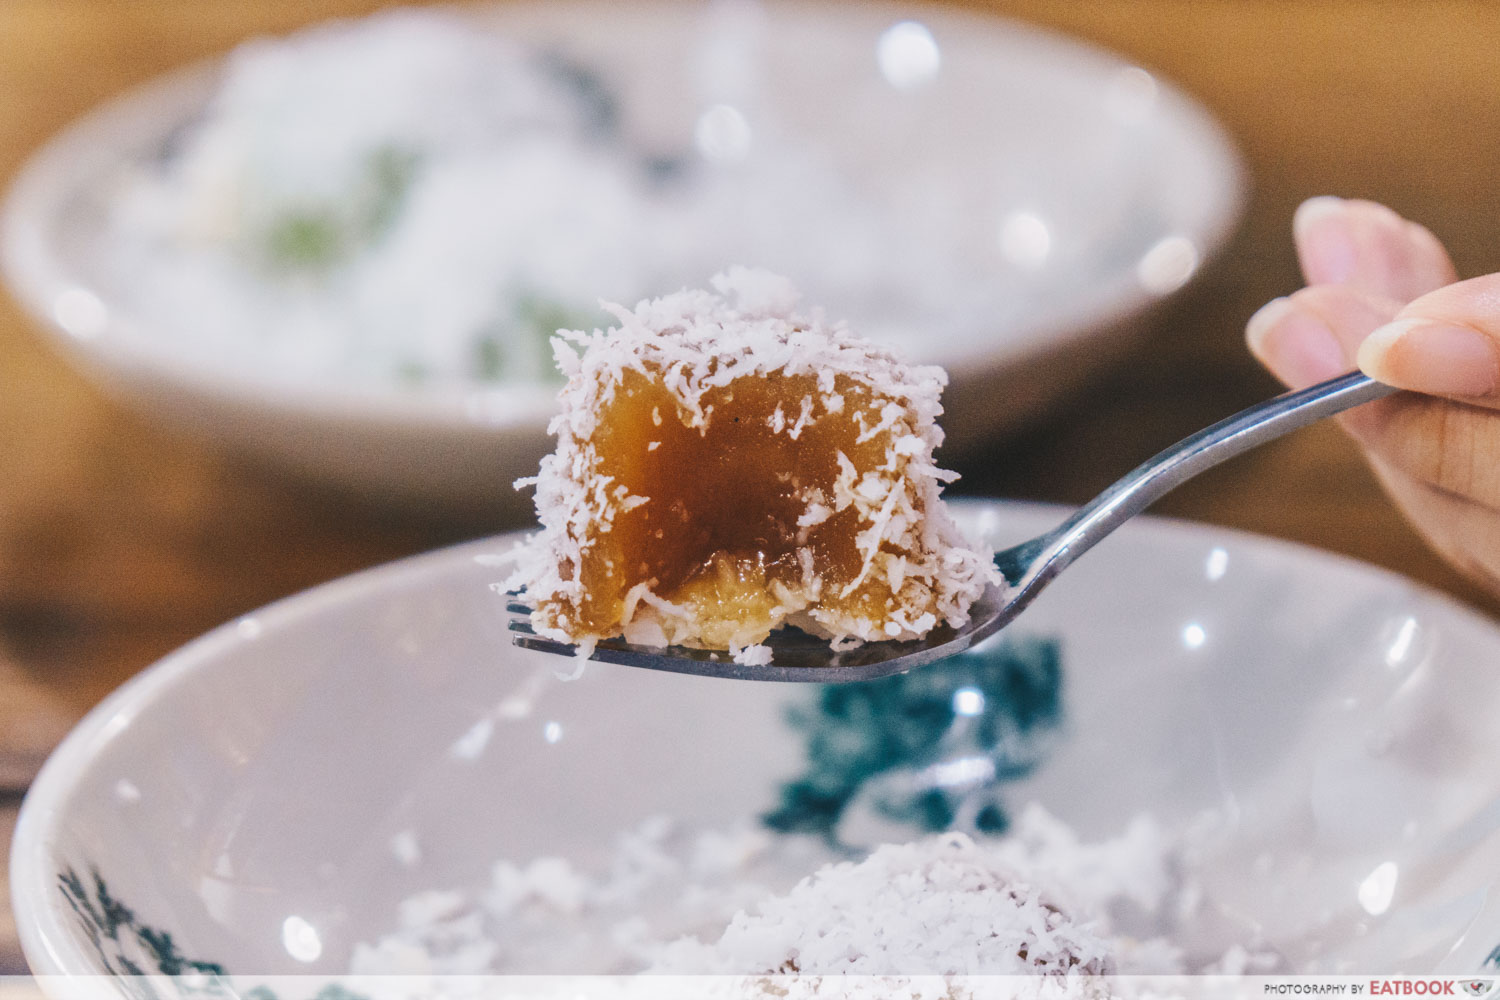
{"points": [[1382, 295]]}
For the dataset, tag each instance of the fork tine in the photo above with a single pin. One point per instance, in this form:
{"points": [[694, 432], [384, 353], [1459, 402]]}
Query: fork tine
{"points": [[784, 641], [797, 656], [542, 645], [516, 603]]}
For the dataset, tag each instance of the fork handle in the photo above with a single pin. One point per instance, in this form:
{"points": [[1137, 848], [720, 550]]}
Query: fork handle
{"points": [[1171, 468]]}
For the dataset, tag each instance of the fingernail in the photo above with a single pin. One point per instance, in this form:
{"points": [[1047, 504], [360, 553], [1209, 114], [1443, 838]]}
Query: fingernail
{"points": [[1265, 317], [1443, 359], [1298, 347], [1324, 245]]}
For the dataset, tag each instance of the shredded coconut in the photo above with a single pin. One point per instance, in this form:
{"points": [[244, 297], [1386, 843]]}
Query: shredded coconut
{"points": [[941, 905], [754, 656], [749, 903]]}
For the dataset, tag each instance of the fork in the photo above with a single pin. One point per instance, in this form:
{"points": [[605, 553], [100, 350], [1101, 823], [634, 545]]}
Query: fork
{"points": [[1027, 567]]}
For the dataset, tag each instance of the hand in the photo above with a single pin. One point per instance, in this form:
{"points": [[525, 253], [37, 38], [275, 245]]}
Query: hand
{"points": [[1382, 295]]}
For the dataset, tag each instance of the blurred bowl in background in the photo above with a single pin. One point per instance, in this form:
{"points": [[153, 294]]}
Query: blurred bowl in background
{"points": [[992, 198]]}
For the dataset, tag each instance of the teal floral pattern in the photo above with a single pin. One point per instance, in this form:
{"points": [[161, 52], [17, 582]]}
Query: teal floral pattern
{"points": [[149, 964], [125, 946], [931, 748]]}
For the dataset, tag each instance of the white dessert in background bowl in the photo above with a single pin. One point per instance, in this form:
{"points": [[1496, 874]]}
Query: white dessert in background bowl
{"points": [[344, 251]]}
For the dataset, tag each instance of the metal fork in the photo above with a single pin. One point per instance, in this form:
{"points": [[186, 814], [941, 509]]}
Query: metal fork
{"points": [[1027, 568]]}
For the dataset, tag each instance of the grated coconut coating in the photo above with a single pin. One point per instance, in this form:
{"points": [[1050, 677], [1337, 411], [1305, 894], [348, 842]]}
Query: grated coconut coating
{"points": [[694, 341]]}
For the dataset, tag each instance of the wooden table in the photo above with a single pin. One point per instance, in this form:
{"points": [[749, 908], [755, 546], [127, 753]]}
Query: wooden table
{"points": [[119, 539]]}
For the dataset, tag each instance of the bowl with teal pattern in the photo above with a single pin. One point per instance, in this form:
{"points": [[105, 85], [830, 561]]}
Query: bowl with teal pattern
{"points": [[293, 792]]}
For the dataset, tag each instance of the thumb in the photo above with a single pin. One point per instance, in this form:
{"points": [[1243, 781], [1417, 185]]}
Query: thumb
{"points": [[1446, 343]]}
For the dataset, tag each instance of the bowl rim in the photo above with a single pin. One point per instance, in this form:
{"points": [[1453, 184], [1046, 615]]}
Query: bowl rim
{"points": [[51, 948], [37, 270]]}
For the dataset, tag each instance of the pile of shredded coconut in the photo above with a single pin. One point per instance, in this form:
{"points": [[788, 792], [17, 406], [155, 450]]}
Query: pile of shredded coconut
{"points": [[662, 882], [942, 905], [693, 341], [750, 903]]}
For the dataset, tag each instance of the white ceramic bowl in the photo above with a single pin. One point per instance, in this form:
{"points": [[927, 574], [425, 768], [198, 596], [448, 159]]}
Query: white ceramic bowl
{"points": [[1333, 720], [1115, 187]]}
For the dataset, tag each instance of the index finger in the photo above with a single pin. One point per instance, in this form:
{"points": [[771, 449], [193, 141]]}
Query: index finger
{"points": [[1445, 343]]}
